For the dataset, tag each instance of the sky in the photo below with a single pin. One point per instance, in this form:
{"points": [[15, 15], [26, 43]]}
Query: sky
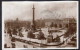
{"points": [[53, 9]]}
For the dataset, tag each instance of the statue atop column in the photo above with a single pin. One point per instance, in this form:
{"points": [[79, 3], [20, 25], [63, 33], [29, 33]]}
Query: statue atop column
{"points": [[33, 20]]}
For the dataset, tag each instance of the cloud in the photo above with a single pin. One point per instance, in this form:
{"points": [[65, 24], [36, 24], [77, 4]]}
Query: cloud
{"points": [[23, 10]]}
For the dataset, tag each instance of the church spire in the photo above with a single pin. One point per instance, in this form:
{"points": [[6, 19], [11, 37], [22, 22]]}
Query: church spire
{"points": [[33, 13]]}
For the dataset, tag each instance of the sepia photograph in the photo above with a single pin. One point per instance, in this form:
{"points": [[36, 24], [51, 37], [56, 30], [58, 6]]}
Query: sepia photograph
{"points": [[46, 25]]}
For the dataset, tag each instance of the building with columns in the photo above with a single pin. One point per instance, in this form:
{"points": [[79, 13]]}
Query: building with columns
{"points": [[59, 23]]}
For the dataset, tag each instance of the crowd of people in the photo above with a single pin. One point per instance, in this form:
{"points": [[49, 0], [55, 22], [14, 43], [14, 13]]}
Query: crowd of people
{"points": [[18, 32], [30, 34]]}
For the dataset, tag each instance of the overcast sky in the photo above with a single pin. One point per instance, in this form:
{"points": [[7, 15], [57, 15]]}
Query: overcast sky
{"points": [[23, 10]]}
